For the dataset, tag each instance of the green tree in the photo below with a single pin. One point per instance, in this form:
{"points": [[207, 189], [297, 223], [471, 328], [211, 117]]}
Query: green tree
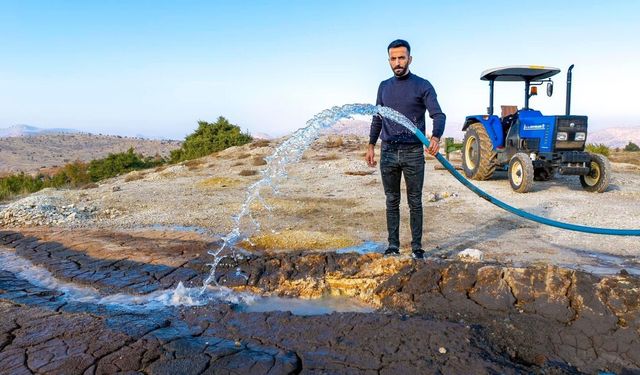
{"points": [[631, 147], [208, 138]]}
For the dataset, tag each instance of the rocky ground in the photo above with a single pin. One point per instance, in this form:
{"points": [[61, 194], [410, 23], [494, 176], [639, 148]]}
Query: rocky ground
{"points": [[541, 300], [434, 317]]}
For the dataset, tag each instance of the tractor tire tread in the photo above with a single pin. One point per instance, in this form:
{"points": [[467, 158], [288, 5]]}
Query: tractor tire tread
{"points": [[527, 170], [488, 156], [605, 170]]}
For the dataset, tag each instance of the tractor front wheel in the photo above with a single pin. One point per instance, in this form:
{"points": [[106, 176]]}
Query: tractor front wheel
{"points": [[478, 156], [521, 173], [598, 180]]}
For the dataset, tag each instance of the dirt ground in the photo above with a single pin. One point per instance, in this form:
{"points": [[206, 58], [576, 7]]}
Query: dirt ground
{"points": [[331, 199], [151, 230]]}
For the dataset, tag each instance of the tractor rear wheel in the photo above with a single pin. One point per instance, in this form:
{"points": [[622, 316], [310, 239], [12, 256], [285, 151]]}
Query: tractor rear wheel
{"points": [[478, 155], [598, 180], [521, 173]]}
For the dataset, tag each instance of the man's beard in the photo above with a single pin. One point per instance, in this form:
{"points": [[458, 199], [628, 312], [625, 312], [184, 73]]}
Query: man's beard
{"points": [[403, 72]]}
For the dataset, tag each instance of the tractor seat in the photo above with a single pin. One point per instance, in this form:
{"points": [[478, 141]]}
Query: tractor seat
{"points": [[509, 117], [508, 110], [507, 122]]}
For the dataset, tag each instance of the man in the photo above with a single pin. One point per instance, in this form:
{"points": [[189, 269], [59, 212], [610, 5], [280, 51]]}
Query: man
{"points": [[402, 151]]}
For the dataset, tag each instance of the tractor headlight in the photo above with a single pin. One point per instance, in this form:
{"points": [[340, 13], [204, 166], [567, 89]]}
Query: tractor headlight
{"points": [[561, 136], [581, 136]]}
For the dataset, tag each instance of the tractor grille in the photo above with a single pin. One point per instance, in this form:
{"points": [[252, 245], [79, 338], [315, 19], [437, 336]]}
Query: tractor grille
{"points": [[571, 125], [576, 157]]}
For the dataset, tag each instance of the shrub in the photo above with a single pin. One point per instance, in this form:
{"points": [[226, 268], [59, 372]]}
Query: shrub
{"points": [[116, 164], [78, 174], [194, 163], [209, 138], [631, 147], [327, 157], [133, 176], [257, 161], [600, 148], [260, 143], [334, 142], [248, 172], [75, 174], [20, 184]]}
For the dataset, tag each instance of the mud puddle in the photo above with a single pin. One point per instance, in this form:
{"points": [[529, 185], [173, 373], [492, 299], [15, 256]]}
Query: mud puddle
{"points": [[300, 306], [607, 264], [366, 247], [179, 296]]}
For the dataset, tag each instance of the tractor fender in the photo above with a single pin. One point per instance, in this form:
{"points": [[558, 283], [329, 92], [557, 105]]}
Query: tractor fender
{"points": [[492, 124]]}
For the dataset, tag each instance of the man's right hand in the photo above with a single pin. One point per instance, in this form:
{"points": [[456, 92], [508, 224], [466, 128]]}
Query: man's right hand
{"points": [[370, 156]]}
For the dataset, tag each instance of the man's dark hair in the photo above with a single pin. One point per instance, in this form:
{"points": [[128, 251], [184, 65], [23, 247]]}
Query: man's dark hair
{"points": [[399, 43]]}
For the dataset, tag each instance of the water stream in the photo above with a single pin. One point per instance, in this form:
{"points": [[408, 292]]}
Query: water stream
{"points": [[179, 296], [290, 151]]}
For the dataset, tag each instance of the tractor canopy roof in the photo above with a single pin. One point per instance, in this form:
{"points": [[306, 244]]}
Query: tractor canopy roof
{"points": [[516, 73]]}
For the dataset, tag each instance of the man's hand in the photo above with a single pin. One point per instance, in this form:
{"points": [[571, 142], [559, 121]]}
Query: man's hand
{"points": [[370, 156], [434, 146]]}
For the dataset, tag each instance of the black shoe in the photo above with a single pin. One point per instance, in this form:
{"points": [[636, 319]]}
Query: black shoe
{"points": [[391, 251], [418, 254]]}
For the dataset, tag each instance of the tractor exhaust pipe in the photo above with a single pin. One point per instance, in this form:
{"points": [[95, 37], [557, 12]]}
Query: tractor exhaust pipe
{"points": [[568, 108]]}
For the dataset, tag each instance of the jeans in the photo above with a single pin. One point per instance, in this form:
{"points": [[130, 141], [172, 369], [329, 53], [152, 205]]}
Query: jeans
{"points": [[398, 159]]}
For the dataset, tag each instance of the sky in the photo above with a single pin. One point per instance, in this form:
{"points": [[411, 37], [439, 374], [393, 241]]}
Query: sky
{"points": [[155, 68]]}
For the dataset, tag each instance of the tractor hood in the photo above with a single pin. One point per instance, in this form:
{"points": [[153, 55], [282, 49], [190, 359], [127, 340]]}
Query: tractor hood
{"points": [[519, 73]]}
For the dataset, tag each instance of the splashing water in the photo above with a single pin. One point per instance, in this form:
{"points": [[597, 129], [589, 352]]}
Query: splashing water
{"points": [[178, 296], [287, 153]]}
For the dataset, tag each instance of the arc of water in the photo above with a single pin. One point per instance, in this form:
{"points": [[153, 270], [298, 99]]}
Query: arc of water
{"points": [[290, 151]]}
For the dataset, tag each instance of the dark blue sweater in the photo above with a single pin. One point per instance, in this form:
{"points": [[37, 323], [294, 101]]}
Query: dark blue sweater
{"points": [[411, 96]]}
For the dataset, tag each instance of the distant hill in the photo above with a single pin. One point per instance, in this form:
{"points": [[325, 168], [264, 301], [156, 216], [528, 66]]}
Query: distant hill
{"points": [[361, 127], [350, 126], [259, 135], [28, 131], [615, 137], [46, 152]]}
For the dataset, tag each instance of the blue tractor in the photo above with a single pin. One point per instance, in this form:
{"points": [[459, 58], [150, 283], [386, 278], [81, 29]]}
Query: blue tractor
{"points": [[528, 144]]}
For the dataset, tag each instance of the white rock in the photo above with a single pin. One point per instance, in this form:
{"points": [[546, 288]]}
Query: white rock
{"points": [[471, 255]]}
